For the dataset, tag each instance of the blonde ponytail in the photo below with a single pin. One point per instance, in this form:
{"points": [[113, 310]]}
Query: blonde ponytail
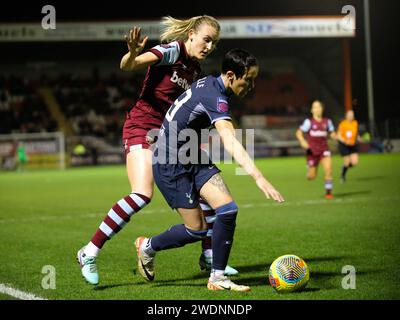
{"points": [[175, 29]]}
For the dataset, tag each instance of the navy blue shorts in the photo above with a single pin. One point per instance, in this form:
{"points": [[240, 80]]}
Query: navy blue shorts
{"points": [[180, 184], [346, 150]]}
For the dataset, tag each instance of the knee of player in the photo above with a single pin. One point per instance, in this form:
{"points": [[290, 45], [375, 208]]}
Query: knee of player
{"points": [[328, 174], [145, 195], [197, 234], [227, 212], [197, 226]]}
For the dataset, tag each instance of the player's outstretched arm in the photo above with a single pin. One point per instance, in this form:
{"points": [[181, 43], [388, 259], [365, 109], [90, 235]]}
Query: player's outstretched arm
{"points": [[133, 60], [235, 148]]}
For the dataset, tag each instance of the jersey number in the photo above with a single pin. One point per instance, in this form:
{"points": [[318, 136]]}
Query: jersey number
{"points": [[177, 104]]}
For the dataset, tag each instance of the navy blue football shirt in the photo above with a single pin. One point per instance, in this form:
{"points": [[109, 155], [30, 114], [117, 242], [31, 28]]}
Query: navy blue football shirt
{"points": [[199, 107]]}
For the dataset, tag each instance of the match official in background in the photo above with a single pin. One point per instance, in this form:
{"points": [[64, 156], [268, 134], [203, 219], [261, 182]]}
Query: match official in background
{"points": [[348, 138]]}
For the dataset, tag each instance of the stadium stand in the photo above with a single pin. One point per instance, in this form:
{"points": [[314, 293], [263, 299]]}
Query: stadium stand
{"points": [[22, 110]]}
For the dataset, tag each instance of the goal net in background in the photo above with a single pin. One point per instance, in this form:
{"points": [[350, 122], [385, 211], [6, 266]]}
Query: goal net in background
{"points": [[43, 150]]}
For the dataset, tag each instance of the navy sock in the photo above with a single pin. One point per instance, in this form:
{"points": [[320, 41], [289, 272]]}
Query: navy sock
{"points": [[344, 170], [176, 236], [223, 231]]}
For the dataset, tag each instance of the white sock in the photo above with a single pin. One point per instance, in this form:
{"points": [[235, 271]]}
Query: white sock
{"points": [[208, 253], [147, 248], [91, 250], [217, 273]]}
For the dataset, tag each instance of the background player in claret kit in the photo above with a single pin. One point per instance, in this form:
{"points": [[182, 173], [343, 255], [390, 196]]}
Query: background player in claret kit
{"points": [[318, 130], [172, 67], [348, 138], [182, 182]]}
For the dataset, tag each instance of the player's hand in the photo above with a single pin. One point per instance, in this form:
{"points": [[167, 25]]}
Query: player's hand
{"points": [[134, 42], [269, 190], [304, 145]]}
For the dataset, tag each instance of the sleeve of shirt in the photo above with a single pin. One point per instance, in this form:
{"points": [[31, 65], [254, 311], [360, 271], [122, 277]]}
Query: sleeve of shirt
{"points": [[331, 127], [306, 125], [217, 108], [167, 53]]}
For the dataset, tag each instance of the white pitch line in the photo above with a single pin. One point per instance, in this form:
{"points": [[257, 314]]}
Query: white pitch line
{"points": [[244, 206], [315, 202], [18, 293]]}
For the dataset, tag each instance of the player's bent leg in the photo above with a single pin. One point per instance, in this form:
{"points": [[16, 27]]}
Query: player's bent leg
{"points": [[224, 228], [346, 160], [216, 194], [140, 171], [193, 230], [140, 176], [327, 165], [312, 166], [205, 260], [117, 217], [345, 167], [311, 172], [349, 161], [141, 179], [354, 159], [193, 219]]}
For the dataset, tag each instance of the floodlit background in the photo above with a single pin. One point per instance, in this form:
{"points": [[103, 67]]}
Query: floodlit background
{"points": [[62, 88]]}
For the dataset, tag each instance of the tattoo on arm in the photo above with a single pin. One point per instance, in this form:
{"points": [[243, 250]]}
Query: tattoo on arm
{"points": [[217, 181]]}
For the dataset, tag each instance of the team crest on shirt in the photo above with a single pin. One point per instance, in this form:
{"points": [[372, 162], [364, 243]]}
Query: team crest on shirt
{"points": [[149, 140], [222, 105]]}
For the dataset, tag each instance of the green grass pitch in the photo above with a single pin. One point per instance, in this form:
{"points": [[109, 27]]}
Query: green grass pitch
{"points": [[46, 216]]}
